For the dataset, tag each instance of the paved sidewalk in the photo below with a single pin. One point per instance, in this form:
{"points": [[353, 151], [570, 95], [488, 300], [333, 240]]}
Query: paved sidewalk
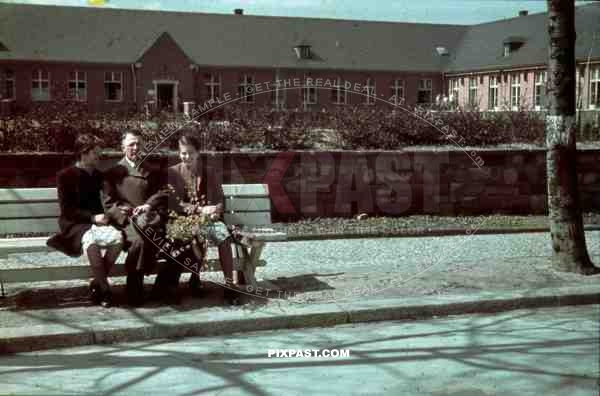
{"points": [[528, 352], [311, 284]]}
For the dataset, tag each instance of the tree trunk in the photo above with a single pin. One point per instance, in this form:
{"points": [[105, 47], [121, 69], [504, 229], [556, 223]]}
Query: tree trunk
{"points": [[566, 224]]}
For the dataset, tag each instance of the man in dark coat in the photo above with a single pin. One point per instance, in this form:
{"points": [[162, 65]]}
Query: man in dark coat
{"points": [[83, 224], [133, 187]]}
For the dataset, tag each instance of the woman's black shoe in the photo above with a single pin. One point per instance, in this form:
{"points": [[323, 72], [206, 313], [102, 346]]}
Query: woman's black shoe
{"points": [[95, 293]]}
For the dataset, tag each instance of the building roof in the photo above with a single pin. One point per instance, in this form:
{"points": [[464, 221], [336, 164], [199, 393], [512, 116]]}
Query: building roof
{"points": [[482, 46], [116, 35], [109, 35]]}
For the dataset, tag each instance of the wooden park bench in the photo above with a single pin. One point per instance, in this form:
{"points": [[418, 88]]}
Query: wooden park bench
{"points": [[36, 210]]}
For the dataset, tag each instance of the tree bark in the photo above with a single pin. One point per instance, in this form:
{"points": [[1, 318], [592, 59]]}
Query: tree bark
{"points": [[566, 223]]}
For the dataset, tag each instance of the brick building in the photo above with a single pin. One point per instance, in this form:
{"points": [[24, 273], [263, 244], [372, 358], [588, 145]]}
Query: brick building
{"points": [[123, 59]]}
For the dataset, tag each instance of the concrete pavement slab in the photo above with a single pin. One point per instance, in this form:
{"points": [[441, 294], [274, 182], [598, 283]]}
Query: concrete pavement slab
{"points": [[50, 332]]}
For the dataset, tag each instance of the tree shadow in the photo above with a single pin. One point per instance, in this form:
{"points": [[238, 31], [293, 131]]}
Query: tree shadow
{"points": [[489, 345]]}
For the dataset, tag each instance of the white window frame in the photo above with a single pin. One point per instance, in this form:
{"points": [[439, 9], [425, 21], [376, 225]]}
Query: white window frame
{"points": [[110, 78], [75, 93], [453, 90], [515, 91], [594, 96], [339, 95], [309, 93], [38, 92], [425, 85], [398, 88], [213, 86], [246, 95], [539, 90], [493, 92], [472, 99], [371, 89], [9, 77], [278, 95]]}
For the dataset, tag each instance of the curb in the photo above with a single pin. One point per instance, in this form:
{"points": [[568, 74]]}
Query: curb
{"points": [[426, 232], [223, 322]]}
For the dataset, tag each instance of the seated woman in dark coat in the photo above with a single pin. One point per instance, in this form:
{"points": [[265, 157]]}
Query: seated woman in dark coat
{"points": [[188, 180], [83, 225]]}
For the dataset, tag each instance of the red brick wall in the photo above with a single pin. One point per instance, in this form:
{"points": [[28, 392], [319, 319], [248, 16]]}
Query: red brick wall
{"points": [[343, 183], [164, 60], [59, 77]]}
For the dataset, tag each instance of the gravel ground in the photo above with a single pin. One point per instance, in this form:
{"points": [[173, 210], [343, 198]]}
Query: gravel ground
{"points": [[321, 270]]}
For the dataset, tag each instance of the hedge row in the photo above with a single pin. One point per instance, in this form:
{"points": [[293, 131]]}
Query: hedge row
{"points": [[54, 128]]}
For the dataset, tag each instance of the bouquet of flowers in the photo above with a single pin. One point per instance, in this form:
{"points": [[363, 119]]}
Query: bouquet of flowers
{"points": [[186, 227]]}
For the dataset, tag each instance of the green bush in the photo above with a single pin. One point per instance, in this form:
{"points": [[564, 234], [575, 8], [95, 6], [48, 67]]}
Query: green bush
{"points": [[53, 127]]}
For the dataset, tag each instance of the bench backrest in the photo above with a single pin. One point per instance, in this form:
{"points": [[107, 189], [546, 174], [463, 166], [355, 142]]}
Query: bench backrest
{"points": [[36, 210]]}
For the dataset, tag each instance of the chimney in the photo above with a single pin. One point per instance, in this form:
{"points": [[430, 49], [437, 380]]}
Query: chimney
{"points": [[238, 11], [523, 13]]}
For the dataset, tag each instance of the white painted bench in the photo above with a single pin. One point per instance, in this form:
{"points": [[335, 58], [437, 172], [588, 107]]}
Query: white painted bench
{"points": [[36, 210]]}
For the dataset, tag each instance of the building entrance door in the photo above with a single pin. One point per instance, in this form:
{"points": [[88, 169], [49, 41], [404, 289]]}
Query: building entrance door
{"points": [[165, 96]]}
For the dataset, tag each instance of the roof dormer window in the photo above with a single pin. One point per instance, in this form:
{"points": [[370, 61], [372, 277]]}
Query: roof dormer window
{"points": [[303, 51], [442, 51], [512, 44]]}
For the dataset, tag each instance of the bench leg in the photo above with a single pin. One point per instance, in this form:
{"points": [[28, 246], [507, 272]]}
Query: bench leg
{"points": [[249, 263], [2, 287]]}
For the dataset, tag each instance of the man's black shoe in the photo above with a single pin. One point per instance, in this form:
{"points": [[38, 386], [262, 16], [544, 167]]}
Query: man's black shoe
{"points": [[232, 296], [106, 299], [195, 285], [135, 289]]}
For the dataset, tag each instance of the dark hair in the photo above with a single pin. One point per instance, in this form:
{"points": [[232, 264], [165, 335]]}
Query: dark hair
{"points": [[85, 143], [190, 139]]}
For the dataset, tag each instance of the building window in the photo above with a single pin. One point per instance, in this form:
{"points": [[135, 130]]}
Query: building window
{"points": [[303, 51], [278, 92], [453, 91], [113, 86], [40, 85], [539, 91], [369, 90], [213, 85], [339, 95], [245, 89], [595, 88], [78, 86], [9, 85], [578, 88], [309, 92], [493, 93], [515, 91], [425, 91], [473, 91], [398, 90]]}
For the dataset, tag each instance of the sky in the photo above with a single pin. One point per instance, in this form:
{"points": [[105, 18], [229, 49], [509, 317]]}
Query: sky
{"points": [[423, 11]]}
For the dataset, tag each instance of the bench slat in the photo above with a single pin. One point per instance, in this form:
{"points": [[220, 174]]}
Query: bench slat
{"points": [[28, 194], [25, 210], [29, 225], [248, 218], [38, 244], [247, 204], [72, 272], [240, 190]]}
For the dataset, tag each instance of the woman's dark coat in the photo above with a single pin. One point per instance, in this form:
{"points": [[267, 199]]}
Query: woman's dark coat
{"points": [[79, 199]]}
